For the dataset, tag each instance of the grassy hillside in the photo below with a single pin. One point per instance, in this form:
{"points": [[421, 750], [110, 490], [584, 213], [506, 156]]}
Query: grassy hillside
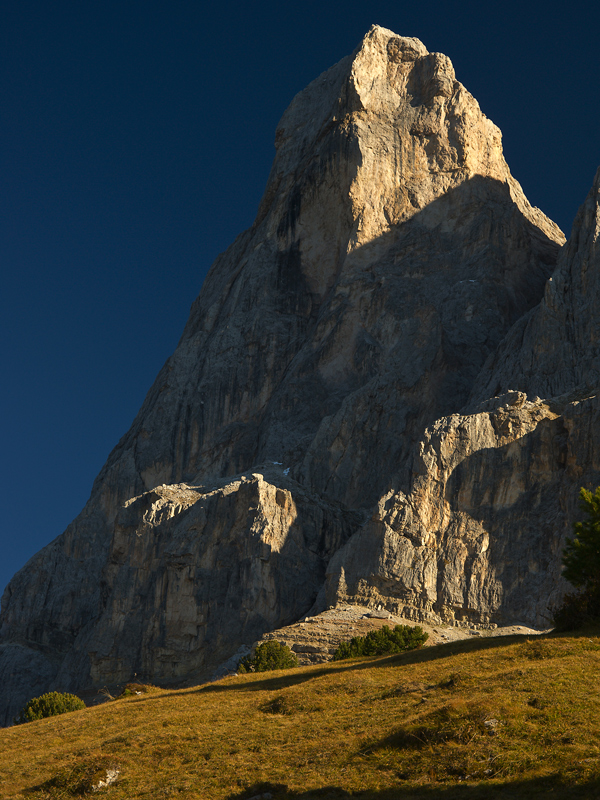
{"points": [[495, 718]]}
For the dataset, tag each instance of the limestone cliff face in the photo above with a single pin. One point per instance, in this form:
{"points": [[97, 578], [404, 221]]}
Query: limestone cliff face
{"points": [[190, 571], [391, 254], [476, 533], [556, 347]]}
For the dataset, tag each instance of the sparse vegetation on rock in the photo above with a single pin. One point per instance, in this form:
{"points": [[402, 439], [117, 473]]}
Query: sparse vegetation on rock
{"points": [[383, 642]]}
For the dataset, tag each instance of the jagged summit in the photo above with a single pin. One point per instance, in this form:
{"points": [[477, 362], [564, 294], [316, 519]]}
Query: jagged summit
{"points": [[393, 84], [391, 253]]}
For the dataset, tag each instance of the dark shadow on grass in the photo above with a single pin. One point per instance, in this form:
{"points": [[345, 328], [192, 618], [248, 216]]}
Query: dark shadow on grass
{"points": [[421, 656], [552, 787]]}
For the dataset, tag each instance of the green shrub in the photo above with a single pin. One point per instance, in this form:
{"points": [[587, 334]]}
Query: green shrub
{"points": [[269, 655], [49, 705], [382, 642], [581, 567]]}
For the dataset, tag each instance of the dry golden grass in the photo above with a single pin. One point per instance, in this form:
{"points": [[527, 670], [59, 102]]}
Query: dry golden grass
{"points": [[506, 718]]}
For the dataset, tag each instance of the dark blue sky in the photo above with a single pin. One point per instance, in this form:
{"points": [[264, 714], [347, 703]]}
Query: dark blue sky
{"points": [[136, 139]]}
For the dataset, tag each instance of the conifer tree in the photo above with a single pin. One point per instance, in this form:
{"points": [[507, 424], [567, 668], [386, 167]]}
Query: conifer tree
{"points": [[581, 556], [581, 562]]}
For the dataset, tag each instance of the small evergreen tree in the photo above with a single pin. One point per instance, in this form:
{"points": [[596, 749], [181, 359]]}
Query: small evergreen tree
{"points": [[49, 705], [581, 556], [581, 567], [267, 656], [382, 642]]}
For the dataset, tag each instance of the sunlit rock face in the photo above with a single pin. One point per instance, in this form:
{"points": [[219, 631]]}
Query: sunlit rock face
{"points": [[477, 531], [391, 253], [477, 534]]}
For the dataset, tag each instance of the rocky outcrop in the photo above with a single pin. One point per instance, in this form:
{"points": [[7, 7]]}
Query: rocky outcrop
{"points": [[391, 254], [191, 572], [187, 572], [478, 537], [314, 639], [476, 533]]}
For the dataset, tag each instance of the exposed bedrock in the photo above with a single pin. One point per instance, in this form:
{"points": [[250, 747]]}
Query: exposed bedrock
{"points": [[478, 536], [556, 347], [391, 253], [477, 531], [189, 572]]}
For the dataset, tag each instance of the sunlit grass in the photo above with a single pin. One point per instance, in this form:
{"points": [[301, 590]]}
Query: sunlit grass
{"points": [[505, 717]]}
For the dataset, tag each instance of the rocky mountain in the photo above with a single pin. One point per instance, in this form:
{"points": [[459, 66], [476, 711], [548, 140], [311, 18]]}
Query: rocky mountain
{"points": [[351, 413], [478, 529]]}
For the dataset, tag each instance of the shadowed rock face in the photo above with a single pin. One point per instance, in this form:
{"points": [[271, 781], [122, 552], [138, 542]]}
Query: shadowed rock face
{"points": [[391, 254], [556, 347]]}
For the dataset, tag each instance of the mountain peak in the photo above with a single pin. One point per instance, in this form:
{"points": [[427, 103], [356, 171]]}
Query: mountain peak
{"points": [[391, 253], [409, 132]]}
